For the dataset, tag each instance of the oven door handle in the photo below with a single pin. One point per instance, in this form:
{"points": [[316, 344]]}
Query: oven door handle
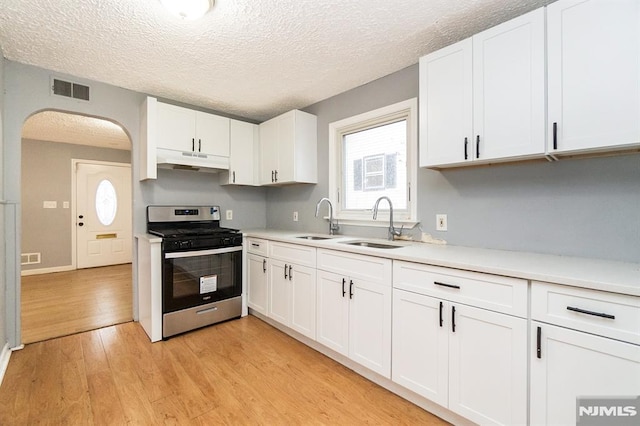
{"points": [[179, 254]]}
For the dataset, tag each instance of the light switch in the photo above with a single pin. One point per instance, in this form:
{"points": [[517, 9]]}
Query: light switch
{"points": [[49, 204]]}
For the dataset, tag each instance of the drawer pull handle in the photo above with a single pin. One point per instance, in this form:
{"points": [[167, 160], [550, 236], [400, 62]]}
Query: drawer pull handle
{"points": [[350, 289], [539, 343], [447, 285], [441, 306], [255, 245], [206, 311], [595, 314], [264, 265], [290, 273], [343, 290], [285, 271]]}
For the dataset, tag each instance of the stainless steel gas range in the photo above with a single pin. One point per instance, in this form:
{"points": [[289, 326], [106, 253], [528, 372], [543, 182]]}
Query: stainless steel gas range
{"points": [[201, 267]]}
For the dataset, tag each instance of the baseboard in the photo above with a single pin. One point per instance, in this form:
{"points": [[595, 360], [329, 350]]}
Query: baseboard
{"points": [[46, 270], [4, 360]]}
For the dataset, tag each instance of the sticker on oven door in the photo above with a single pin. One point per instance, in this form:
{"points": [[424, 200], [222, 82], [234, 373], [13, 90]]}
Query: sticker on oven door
{"points": [[208, 283]]}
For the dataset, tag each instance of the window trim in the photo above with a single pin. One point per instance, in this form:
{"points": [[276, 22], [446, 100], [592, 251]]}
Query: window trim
{"points": [[405, 110]]}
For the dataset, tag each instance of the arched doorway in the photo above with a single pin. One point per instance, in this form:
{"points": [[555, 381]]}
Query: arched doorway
{"points": [[56, 297]]}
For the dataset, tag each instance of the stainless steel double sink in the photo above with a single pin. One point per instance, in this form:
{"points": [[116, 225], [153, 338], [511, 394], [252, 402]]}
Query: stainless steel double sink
{"points": [[359, 243]]}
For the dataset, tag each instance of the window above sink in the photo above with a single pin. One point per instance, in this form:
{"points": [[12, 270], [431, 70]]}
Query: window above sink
{"points": [[371, 155]]}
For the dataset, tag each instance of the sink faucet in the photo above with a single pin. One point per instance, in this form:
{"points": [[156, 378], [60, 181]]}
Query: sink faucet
{"points": [[333, 227], [393, 232]]}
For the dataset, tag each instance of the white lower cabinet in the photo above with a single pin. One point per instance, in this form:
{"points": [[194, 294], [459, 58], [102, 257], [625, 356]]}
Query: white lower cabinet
{"points": [[354, 310], [292, 287], [574, 364], [470, 360], [292, 296], [257, 274], [258, 281], [591, 359]]}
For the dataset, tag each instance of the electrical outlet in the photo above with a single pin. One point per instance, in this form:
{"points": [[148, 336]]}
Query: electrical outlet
{"points": [[65, 204], [49, 204], [229, 214], [441, 222], [295, 216]]}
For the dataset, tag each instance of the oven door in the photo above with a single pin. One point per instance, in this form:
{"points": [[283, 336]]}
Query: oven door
{"points": [[192, 278]]}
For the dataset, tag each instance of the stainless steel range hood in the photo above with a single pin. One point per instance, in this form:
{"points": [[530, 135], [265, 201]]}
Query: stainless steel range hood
{"points": [[195, 161]]}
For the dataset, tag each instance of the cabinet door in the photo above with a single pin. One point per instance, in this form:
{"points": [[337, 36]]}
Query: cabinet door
{"points": [[446, 105], [333, 311], [176, 128], [509, 88], [279, 292], [420, 345], [286, 147], [303, 300], [212, 134], [573, 364], [593, 74], [258, 283], [241, 152], [370, 325], [487, 366], [268, 151]]}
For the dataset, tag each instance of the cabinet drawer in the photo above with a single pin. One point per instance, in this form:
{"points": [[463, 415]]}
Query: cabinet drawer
{"points": [[606, 314], [369, 268], [301, 255], [497, 293], [258, 246]]}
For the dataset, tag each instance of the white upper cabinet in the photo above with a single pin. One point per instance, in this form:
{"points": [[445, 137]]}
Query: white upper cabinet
{"points": [[288, 149], [446, 102], [183, 129], [243, 154], [483, 99], [593, 75], [176, 137], [509, 89]]}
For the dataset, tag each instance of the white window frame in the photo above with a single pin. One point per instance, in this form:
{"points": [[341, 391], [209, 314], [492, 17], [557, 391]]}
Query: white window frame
{"points": [[405, 110]]}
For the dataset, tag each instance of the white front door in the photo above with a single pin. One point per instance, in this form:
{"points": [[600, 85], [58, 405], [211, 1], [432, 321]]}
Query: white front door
{"points": [[103, 214]]}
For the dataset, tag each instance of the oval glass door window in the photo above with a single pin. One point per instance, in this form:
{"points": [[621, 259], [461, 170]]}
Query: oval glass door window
{"points": [[106, 202]]}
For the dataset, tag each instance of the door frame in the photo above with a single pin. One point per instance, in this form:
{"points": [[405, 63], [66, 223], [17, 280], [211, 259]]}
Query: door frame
{"points": [[74, 204]]}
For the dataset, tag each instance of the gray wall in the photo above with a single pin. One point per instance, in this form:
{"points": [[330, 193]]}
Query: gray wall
{"points": [[574, 207], [27, 92], [46, 176]]}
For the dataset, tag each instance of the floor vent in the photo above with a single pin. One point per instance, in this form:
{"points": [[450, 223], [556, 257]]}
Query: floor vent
{"points": [[29, 258], [69, 89]]}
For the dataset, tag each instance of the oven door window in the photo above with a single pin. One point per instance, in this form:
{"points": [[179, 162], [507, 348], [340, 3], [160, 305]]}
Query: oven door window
{"points": [[199, 277]]}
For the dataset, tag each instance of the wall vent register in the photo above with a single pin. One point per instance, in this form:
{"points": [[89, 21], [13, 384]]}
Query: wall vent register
{"points": [[69, 89]]}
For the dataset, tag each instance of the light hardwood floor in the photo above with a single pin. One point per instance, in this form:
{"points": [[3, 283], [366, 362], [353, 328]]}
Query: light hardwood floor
{"points": [[238, 372], [64, 303]]}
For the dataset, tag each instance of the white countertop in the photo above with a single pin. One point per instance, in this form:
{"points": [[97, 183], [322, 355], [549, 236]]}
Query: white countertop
{"points": [[605, 275], [149, 237]]}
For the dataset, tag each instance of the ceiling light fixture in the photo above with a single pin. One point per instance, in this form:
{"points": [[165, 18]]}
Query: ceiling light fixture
{"points": [[188, 9]]}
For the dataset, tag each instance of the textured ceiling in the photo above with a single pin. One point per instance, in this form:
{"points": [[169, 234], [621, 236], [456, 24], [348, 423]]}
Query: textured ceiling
{"points": [[53, 126], [251, 58]]}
